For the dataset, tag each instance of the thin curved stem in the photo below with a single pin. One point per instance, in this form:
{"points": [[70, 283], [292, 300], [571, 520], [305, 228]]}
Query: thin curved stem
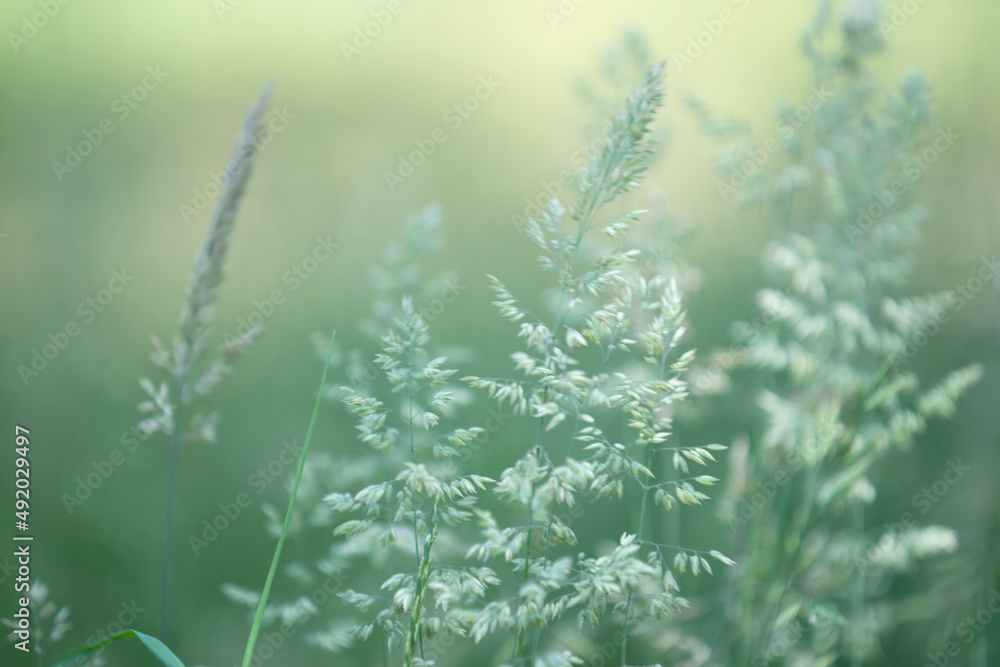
{"points": [[168, 522]]}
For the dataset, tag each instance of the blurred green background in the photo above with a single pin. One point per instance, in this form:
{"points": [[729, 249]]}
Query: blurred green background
{"points": [[324, 176]]}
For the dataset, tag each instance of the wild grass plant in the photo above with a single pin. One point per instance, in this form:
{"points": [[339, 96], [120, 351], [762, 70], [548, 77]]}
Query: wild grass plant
{"points": [[824, 364], [611, 314], [554, 537], [173, 406]]}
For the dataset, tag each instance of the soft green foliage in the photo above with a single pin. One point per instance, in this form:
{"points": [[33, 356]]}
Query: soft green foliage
{"points": [[610, 353], [400, 289], [163, 654], [425, 496], [828, 357], [560, 543], [600, 380]]}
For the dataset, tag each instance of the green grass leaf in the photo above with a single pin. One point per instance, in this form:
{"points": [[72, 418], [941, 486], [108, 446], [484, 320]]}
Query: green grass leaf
{"points": [[255, 629], [155, 646]]}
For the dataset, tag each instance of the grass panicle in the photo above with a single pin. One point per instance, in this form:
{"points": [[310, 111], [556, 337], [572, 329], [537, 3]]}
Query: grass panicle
{"points": [[171, 406], [825, 362], [583, 377]]}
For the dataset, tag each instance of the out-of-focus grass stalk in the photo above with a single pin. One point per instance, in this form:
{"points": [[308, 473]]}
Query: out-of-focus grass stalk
{"points": [[198, 311]]}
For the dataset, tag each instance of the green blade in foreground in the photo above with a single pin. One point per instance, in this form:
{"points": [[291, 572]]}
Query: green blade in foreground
{"points": [[288, 516], [158, 648], [155, 646]]}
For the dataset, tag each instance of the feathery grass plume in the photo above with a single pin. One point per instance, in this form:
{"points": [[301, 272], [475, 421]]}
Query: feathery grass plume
{"points": [[610, 356], [172, 406], [831, 393], [426, 497], [402, 273]]}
